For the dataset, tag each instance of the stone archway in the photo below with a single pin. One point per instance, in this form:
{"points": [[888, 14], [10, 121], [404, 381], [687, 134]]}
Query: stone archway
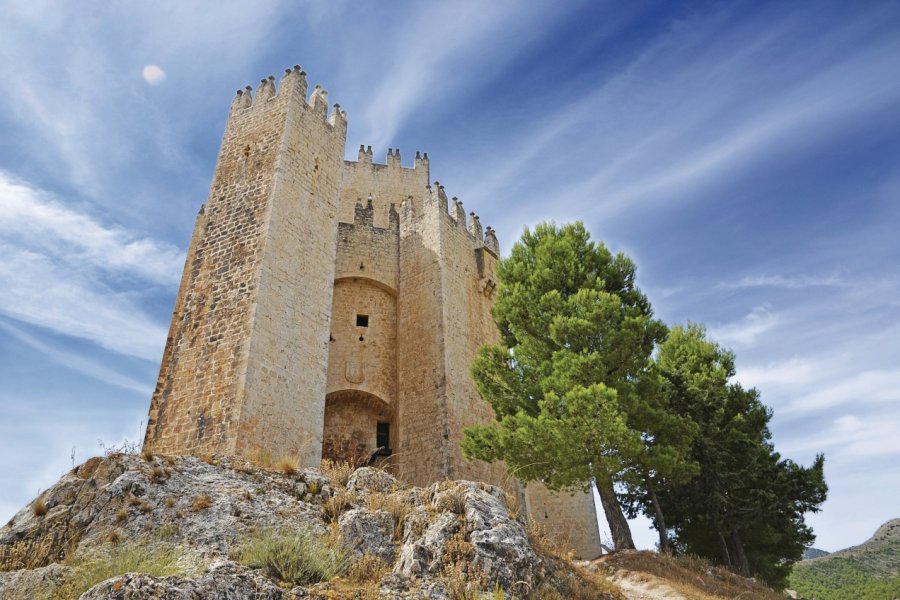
{"points": [[359, 428]]}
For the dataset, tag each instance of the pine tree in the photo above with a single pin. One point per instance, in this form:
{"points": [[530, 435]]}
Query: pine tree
{"points": [[565, 380], [745, 507]]}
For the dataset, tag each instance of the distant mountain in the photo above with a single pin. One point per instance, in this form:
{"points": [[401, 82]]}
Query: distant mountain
{"points": [[814, 553], [868, 571]]}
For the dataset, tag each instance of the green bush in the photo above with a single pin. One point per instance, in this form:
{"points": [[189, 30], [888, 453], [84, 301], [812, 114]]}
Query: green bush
{"points": [[158, 561], [295, 557]]}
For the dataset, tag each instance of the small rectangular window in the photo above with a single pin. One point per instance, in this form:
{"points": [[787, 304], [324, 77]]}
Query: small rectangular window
{"points": [[383, 438], [362, 320]]}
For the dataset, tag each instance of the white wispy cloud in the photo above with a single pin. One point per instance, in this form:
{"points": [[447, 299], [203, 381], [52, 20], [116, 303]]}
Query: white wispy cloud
{"points": [[791, 282], [31, 218], [788, 373], [438, 51], [57, 267], [747, 330], [692, 111], [78, 362], [866, 387]]}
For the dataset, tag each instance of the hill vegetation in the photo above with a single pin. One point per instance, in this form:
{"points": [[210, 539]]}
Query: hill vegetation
{"points": [[870, 571]]}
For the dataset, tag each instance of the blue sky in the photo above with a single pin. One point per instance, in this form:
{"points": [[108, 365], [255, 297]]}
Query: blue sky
{"points": [[745, 154]]}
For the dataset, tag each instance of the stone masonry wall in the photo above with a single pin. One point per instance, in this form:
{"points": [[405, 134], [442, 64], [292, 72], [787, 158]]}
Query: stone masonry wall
{"points": [[283, 395], [422, 446], [571, 519], [390, 183], [195, 406], [468, 326], [363, 357]]}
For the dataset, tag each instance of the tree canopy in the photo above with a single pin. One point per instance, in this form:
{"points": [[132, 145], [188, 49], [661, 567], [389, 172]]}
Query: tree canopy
{"points": [[745, 506], [577, 335], [587, 386]]}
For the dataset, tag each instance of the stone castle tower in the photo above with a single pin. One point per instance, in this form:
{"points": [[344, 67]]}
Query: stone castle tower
{"points": [[331, 308]]}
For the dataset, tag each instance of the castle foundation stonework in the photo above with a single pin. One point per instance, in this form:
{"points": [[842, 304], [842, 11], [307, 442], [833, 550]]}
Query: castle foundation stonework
{"points": [[331, 308]]}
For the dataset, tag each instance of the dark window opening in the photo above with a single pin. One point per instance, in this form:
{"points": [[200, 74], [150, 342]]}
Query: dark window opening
{"points": [[383, 438], [362, 339], [362, 320]]}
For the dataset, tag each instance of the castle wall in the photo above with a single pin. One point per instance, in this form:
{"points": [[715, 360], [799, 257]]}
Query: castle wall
{"points": [[283, 402], [367, 251], [570, 519], [363, 357], [195, 405], [423, 438], [351, 423], [245, 369], [390, 183], [468, 326]]}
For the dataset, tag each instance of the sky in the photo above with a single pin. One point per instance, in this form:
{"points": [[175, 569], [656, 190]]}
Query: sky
{"points": [[746, 155]]}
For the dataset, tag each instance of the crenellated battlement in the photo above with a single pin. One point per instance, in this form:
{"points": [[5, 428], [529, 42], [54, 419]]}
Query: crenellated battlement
{"points": [[365, 215], [293, 84], [455, 215], [392, 160]]}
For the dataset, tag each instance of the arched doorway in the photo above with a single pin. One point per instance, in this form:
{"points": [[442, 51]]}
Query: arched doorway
{"points": [[358, 428]]}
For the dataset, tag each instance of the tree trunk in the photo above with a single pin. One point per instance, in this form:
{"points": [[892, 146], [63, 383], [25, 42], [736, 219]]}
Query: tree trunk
{"points": [[618, 524], [740, 556], [660, 521], [723, 550]]}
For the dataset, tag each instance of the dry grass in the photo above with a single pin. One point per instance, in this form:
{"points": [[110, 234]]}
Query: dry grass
{"points": [[367, 569], [147, 454], [398, 506], [201, 502], [288, 465], [209, 459], [113, 537], [169, 502], [693, 577], [158, 475], [121, 514], [335, 506], [338, 472], [39, 508], [260, 458], [513, 503], [450, 498], [27, 554], [312, 487]]}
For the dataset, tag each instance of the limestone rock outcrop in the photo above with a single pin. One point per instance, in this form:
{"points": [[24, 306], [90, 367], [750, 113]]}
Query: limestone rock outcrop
{"points": [[425, 542]]}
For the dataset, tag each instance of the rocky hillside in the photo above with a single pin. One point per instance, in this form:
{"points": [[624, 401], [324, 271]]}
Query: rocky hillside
{"points": [[135, 527], [868, 571]]}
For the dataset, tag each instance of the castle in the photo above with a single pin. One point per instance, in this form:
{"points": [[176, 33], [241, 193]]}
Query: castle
{"points": [[331, 308]]}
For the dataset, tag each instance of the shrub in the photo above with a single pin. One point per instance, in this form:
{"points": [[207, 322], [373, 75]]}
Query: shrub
{"points": [[39, 508], [157, 561], [336, 505], [295, 557], [338, 472], [27, 554], [288, 465], [201, 502]]}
